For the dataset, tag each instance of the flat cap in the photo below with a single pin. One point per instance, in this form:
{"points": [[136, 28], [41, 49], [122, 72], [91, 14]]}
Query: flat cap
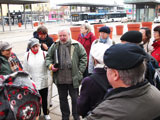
{"points": [[132, 36], [124, 56], [105, 29], [4, 45]]}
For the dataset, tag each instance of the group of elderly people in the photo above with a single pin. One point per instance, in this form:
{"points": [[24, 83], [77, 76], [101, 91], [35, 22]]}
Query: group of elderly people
{"points": [[113, 76]]}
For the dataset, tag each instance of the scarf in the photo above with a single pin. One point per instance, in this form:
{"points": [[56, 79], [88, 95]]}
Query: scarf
{"points": [[34, 52], [65, 68], [65, 58], [103, 40], [13, 64], [84, 35]]}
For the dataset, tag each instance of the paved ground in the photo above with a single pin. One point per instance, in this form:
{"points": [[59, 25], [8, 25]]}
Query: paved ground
{"points": [[19, 37]]}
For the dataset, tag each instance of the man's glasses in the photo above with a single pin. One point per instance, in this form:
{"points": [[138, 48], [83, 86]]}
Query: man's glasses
{"points": [[105, 68]]}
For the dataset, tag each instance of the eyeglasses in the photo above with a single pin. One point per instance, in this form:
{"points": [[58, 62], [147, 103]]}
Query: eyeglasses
{"points": [[105, 68]]}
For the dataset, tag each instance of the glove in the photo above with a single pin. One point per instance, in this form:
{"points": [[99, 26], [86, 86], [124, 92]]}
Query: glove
{"points": [[54, 69]]}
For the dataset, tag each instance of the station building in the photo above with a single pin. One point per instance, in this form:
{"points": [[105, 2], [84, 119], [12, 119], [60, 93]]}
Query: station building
{"points": [[146, 10]]}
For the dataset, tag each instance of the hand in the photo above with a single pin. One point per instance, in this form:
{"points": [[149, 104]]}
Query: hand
{"points": [[44, 46], [54, 69]]}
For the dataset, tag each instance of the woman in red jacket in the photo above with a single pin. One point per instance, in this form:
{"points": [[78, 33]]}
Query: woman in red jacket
{"points": [[86, 37], [156, 44]]}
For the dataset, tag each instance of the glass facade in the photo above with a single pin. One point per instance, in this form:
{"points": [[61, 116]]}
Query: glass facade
{"points": [[145, 9]]}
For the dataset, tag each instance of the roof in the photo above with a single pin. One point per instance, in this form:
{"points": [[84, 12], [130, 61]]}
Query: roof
{"points": [[86, 4], [141, 1], [22, 1]]}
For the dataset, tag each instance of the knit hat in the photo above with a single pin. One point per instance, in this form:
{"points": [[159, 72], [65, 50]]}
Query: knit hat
{"points": [[132, 36], [105, 29], [19, 99], [32, 42], [97, 51], [4, 45], [124, 56]]}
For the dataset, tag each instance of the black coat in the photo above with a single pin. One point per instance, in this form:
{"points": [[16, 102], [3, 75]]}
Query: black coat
{"points": [[48, 40]]}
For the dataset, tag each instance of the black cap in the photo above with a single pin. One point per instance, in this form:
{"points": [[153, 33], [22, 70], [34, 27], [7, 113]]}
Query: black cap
{"points": [[124, 56], [132, 36], [105, 29]]}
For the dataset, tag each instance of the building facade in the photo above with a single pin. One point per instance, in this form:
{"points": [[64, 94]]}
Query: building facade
{"points": [[146, 10]]}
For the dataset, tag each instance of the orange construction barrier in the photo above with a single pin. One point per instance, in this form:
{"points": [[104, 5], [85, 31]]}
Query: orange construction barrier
{"points": [[96, 29], [119, 29], [147, 24], [133, 27], [19, 24], [41, 23], [35, 24], [111, 28], [54, 36], [75, 31]]}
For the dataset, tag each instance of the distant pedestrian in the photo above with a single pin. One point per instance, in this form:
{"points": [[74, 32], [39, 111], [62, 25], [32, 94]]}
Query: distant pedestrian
{"points": [[42, 35], [95, 86], [146, 42], [132, 97], [86, 38], [156, 44], [34, 64], [9, 62], [67, 59], [105, 39]]}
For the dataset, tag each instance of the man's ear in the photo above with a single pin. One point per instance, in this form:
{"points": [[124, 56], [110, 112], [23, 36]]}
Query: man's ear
{"points": [[115, 74]]}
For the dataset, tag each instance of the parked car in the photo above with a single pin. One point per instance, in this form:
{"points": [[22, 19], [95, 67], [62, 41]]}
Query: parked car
{"points": [[157, 19], [124, 20]]}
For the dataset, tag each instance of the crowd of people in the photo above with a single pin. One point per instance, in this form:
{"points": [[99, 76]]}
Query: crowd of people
{"points": [[117, 80]]}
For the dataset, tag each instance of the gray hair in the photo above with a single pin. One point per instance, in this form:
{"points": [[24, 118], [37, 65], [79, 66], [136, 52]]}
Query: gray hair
{"points": [[133, 76], [86, 26], [64, 29]]}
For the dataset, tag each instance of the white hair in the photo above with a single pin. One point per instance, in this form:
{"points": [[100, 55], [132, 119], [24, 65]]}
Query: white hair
{"points": [[64, 29]]}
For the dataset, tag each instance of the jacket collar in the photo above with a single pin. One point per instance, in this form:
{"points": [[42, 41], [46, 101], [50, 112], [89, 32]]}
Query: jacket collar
{"points": [[156, 44], [3, 58], [72, 42], [87, 36], [132, 91]]}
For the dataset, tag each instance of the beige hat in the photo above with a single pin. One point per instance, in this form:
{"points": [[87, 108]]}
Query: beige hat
{"points": [[4, 46], [97, 51]]}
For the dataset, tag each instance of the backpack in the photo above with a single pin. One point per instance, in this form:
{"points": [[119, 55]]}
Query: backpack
{"points": [[153, 72], [156, 78], [29, 53]]}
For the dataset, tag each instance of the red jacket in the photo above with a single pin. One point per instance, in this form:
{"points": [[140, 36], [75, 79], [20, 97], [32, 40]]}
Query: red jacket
{"points": [[86, 41], [156, 52]]}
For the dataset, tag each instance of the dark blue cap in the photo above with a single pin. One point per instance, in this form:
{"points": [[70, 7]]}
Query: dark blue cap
{"points": [[124, 56], [105, 29], [132, 37]]}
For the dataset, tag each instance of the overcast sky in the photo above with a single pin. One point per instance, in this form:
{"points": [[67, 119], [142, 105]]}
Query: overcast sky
{"points": [[54, 2]]}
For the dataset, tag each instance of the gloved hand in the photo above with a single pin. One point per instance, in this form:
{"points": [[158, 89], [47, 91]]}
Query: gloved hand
{"points": [[54, 69]]}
